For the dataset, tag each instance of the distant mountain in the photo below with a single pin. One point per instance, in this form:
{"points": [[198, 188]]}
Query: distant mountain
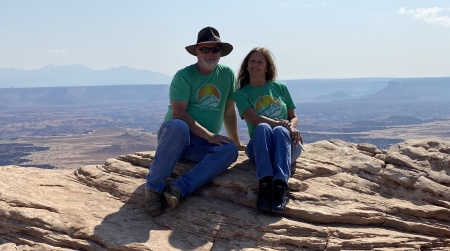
{"points": [[371, 89], [319, 89], [414, 89], [86, 95], [335, 96], [337, 90], [78, 75]]}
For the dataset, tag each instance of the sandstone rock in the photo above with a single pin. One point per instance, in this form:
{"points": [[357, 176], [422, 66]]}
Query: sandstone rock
{"points": [[343, 197]]}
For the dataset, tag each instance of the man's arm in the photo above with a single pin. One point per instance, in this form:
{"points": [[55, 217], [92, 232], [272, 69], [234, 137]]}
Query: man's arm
{"points": [[179, 112], [230, 123]]}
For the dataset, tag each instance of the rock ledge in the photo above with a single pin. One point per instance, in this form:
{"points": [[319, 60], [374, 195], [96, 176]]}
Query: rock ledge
{"points": [[343, 196]]}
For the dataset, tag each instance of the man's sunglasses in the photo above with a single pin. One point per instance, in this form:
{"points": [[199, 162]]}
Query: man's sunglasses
{"points": [[205, 50]]}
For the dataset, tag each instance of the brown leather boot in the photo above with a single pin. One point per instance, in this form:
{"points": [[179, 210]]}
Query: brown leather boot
{"points": [[173, 196], [154, 202]]}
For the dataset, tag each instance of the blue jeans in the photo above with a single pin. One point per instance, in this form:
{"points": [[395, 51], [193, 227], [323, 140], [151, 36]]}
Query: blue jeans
{"points": [[272, 151], [176, 142]]}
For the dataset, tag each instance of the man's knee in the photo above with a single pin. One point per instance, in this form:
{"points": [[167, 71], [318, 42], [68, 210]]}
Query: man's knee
{"points": [[178, 128], [230, 150], [178, 125]]}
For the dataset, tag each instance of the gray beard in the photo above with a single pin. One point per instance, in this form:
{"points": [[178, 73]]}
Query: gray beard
{"points": [[209, 64]]}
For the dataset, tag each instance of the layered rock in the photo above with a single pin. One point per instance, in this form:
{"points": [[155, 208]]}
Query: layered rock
{"points": [[343, 196]]}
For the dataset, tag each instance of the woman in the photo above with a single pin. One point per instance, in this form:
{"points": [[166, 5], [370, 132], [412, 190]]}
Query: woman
{"points": [[268, 109]]}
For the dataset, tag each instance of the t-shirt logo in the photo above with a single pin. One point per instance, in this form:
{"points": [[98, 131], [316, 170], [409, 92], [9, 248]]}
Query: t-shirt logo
{"points": [[268, 106], [208, 97]]}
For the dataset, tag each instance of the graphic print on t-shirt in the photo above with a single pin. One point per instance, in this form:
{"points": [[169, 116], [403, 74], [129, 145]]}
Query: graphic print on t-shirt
{"points": [[268, 106], [208, 97]]}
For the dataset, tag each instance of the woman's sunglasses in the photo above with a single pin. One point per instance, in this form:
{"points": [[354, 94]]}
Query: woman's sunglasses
{"points": [[205, 50]]}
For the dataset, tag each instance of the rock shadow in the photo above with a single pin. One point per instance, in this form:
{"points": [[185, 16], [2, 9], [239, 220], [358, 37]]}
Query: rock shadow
{"points": [[203, 220], [131, 226]]}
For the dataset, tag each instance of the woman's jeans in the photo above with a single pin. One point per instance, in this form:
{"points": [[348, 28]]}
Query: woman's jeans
{"points": [[272, 151], [176, 142]]}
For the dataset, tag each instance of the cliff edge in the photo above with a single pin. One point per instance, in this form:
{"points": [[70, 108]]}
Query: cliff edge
{"points": [[343, 196]]}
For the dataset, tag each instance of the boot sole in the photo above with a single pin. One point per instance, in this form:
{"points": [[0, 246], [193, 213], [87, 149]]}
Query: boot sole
{"points": [[171, 200], [155, 213]]}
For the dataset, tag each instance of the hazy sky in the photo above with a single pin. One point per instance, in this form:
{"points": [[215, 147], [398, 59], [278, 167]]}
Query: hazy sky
{"points": [[310, 39]]}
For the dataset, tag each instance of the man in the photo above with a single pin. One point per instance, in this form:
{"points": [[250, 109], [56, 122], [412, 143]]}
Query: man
{"points": [[200, 102]]}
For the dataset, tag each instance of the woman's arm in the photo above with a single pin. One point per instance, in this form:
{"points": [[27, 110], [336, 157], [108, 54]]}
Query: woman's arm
{"points": [[296, 136], [251, 116]]}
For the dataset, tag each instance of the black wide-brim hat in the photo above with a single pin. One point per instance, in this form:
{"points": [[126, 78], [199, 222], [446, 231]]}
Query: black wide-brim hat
{"points": [[210, 35]]}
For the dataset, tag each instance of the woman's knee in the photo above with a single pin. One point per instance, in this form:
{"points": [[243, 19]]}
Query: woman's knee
{"points": [[281, 130], [262, 128]]}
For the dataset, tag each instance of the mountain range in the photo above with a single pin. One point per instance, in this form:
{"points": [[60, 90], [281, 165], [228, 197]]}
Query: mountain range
{"points": [[372, 89], [77, 84], [78, 75]]}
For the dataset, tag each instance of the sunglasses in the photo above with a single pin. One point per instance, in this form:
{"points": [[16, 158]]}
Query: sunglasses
{"points": [[205, 50]]}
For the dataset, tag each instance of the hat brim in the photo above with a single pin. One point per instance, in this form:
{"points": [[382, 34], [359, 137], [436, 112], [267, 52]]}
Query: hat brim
{"points": [[226, 48]]}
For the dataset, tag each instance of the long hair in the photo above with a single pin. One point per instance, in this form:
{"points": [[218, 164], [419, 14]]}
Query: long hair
{"points": [[243, 78]]}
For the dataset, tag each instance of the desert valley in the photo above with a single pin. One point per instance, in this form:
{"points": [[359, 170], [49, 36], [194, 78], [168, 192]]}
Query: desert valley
{"points": [[68, 127]]}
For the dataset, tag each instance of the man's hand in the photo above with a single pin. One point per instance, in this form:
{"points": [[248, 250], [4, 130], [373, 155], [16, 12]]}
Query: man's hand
{"points": [[218, 139]]}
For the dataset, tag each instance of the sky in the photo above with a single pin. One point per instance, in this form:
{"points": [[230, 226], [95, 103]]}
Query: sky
{"points": [[309, 39]]}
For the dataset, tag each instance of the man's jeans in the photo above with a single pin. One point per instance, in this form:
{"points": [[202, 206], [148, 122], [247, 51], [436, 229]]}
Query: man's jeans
{"points": [[176, 142], [272, 151]]}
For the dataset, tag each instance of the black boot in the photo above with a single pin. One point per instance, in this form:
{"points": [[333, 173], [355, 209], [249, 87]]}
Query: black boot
{"points": [[264, 201], [154, 202], [279, 198], [173, 196]]}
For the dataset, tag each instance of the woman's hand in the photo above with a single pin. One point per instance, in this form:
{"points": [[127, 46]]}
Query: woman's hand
{"points": [[284, 123], [296, 136]]}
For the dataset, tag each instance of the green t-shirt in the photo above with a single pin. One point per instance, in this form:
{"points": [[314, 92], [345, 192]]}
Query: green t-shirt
{"points": [[272, 100], [206, 94]]}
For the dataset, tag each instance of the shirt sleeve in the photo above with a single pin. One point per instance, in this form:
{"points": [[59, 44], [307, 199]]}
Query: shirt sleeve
{"points": [[180, 88], [242, 101], [288, 98], [233, 84]]}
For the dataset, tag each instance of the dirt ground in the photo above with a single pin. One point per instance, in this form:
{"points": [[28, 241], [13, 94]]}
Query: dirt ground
{"points": [[74, 151]]}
